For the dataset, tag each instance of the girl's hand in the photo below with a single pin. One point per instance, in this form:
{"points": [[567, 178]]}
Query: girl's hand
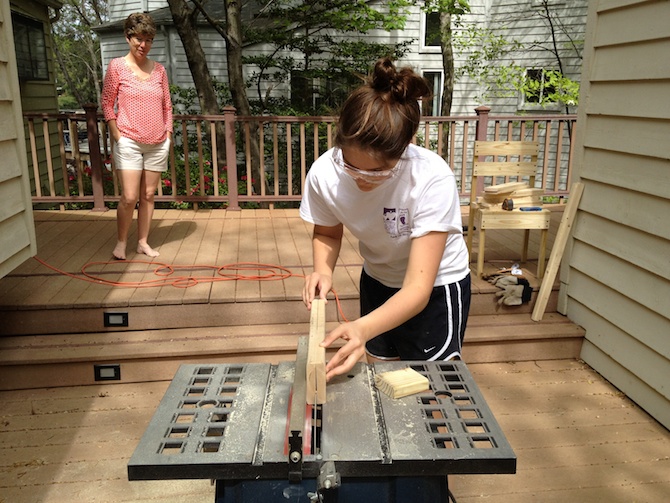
{"points": [[349, 354], [316, 284]]}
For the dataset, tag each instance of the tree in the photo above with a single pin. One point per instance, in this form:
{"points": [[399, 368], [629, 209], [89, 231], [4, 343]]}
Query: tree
{"points": [[487, 47], [186, 20], [77, 49], [562, 89], [318, 47], [450, 12]]}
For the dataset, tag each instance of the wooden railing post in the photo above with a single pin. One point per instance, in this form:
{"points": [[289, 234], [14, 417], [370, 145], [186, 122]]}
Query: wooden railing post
{"points": [[91, 110], [482, 122], [481, 134], [231, 157]]}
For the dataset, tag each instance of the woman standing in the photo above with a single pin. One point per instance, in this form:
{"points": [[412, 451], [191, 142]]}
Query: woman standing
{"points": [[401, 202], [138, 110]]}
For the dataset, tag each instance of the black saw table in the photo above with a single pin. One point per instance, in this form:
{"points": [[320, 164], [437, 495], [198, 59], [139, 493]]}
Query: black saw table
{"points": [[242, 426]]}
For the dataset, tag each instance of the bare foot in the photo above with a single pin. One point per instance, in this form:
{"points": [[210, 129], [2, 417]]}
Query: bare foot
{"points": [[120, 250], [147, 250]]}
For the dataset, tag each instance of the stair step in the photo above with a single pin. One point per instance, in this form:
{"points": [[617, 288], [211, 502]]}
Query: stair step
{"points": [[150, 355], [161, 317]]}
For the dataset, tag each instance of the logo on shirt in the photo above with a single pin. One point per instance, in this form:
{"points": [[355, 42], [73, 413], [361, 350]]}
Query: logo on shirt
{"points": [[396, 222]]}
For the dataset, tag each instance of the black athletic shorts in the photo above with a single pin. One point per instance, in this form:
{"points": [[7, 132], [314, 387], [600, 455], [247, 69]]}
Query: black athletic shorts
{"points": [[436, 333]]}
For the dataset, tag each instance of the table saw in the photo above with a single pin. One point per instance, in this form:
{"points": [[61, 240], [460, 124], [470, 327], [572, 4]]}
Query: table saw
{"points": [[248, 427]]}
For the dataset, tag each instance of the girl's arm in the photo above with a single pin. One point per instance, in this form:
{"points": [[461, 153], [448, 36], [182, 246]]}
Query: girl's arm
{"points": [[424, 261], [326, 243]]}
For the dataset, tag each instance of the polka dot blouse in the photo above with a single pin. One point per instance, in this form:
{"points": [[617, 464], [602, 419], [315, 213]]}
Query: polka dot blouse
{"points": [[142, 108]]}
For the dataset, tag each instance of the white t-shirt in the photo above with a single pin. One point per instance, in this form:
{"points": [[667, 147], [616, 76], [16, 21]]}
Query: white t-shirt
{"points": [[422, 197]]}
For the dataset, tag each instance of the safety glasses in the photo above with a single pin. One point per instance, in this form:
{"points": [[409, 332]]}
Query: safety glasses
{"points": [[368, 176]]}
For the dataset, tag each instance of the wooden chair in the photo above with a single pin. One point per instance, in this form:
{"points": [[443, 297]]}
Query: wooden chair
{"points": [[520, 160]]}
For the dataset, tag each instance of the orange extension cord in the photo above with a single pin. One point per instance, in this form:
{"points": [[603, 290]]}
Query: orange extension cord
{"points": [[238, 271]]}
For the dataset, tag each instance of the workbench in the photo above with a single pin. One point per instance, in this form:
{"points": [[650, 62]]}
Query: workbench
{"points": [[230, 423]]}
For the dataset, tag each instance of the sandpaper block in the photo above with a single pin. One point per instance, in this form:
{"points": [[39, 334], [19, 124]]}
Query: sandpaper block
{"points": [[403, 382]]}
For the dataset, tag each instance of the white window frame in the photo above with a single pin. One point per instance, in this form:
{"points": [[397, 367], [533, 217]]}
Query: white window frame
{"points": [[530, 106], [433, 49], [437, 96]]}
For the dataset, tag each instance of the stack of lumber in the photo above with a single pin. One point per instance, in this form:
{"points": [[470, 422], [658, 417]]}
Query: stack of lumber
{"points": [[519, 192]]}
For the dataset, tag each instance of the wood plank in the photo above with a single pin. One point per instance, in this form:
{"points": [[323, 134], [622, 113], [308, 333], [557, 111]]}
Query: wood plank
{"points": [[288, 256], [268, 253], [316, 355], [224, 291], [248, 290], [557, 250]]}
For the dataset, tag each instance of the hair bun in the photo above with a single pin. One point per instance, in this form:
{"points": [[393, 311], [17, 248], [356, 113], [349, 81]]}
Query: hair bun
{"points": [[401, 85]]}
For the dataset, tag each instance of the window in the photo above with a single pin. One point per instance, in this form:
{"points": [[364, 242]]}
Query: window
{"points": [[430, 38], [320, 95], [433, 105], [31, 54], [538, 91]]}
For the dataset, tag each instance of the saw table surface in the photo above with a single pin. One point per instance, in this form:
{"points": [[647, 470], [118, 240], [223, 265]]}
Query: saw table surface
{"points": [[229, 422]]}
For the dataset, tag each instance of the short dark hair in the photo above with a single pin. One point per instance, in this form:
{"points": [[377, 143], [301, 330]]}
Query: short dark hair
{"points": [[139, 23], [383, 115]]}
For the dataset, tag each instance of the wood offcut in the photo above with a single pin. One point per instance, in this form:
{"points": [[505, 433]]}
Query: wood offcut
{"points": [[400, 383]]}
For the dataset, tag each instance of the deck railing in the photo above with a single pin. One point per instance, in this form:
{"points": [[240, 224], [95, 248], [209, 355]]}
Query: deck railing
{"points": [[238, 161]]}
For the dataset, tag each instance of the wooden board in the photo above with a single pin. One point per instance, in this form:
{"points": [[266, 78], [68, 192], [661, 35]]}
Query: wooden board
{"points": [[316, 354], [557, 251]]}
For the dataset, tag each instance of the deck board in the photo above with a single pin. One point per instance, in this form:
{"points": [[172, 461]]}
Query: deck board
{"points": [[576, 437]]}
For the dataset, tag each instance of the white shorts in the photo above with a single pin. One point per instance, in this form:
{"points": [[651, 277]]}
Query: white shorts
{"points": [[129, 154]]}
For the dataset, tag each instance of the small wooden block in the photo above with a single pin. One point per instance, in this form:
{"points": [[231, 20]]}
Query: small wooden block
{"points": [[316, 355], [403, 382]]}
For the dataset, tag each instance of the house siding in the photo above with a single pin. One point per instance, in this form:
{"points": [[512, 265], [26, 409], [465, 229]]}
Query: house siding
{"points": [[121, 9], [503, 17], [40, 95], [617, 280], [17, 228]]}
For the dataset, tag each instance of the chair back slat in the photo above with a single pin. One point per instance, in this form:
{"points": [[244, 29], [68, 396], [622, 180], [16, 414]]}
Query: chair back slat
{"points": [[504, 168], [506, 148], [503, 159]]}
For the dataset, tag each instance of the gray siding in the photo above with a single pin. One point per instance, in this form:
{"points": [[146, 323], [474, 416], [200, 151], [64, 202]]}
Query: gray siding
{"points": [[617, 284], [121, 9]]}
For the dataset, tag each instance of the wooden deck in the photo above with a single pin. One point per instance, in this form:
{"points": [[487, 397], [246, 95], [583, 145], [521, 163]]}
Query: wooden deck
{"points": [[196, 241], [577, 439], [186, 306]]}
